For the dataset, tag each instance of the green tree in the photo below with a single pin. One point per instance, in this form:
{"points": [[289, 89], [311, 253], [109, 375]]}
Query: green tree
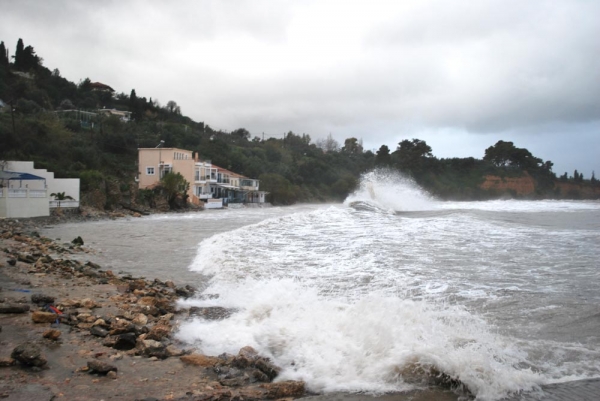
{"points": [[174, 187], [383, 157], [280, 190], [30, 59], [352, 146], [410, 155], [3, 54], [60, 196], [506, 154], [19, 54]]}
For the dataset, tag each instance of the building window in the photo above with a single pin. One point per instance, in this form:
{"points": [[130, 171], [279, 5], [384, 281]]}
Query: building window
{"points": [[149, 170]]}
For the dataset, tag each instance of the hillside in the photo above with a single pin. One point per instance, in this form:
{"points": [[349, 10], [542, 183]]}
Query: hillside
{"points": [[70, 129]]}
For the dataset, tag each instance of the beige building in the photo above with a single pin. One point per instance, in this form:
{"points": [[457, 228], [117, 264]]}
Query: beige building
{"points": [[213, 185]]}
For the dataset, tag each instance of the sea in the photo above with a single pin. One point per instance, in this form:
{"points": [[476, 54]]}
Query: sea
{"points": [[390, 291]]}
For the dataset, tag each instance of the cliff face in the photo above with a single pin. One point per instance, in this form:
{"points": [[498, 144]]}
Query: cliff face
{"points": [[571, 190], [522, 186], [526, 186]]}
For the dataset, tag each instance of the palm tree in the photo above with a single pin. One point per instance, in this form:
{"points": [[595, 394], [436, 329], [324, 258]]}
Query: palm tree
{"points": [[60, 196]]}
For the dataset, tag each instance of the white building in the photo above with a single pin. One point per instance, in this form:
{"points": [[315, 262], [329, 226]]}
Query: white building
{"points": [[26, 191]]}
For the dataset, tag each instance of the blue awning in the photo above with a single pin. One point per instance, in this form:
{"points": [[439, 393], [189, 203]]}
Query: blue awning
{"points": [[15, 176]]}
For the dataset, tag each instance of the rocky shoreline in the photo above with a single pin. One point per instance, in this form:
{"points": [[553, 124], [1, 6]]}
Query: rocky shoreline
{"points": [[71, 330]]}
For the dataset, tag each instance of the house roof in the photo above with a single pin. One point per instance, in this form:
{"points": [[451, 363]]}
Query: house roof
{"points": [[231, 173], [101, 86]]}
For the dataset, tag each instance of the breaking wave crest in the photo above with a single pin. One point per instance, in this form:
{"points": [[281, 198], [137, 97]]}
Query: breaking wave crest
{"points": [[386, 190]]}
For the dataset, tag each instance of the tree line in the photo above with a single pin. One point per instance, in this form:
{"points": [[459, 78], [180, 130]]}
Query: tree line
{"points": [[56, 123]]}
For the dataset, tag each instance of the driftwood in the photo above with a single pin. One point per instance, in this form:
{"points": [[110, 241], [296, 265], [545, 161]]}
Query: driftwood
{"points": [[128, 207]]}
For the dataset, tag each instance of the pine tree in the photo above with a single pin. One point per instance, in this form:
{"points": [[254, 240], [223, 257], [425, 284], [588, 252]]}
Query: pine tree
{"points": [[3, 54], [19, 54], [135, 106]]}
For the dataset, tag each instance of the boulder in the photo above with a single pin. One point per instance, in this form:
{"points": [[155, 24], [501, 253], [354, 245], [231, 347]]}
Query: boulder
{"points": [[28, 354], [77, 241]]}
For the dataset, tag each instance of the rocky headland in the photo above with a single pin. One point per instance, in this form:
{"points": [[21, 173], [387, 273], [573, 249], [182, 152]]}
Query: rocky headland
{"points": [[71, 330]]}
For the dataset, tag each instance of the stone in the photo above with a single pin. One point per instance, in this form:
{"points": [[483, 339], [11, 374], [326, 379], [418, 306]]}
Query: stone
{"points": [[259, 376], [44, 317], [151, 348], [42, 299], [200, 360], [93, 265], [147, 301], [28, 354], [14, 308], [283, 389], [26, 258], [52, 334], [211, 312], [125, 341], [267, 368], [140, 319], [172, 350], [88, 303], [5, 362], [101, 366], [112, 375], [77, 241], [159, 332], [12, 262], [98, 331], [121, 326], [137, 285]]}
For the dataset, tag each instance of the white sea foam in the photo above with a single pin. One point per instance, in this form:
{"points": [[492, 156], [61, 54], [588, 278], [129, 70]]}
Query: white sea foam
{"points": [[358, 298], [378, 343]]}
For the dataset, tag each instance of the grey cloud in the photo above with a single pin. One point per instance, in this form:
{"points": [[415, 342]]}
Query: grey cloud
{"points": [[432, 68]]}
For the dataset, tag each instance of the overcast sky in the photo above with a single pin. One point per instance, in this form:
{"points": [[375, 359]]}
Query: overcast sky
{"points": [[460, 75]]}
